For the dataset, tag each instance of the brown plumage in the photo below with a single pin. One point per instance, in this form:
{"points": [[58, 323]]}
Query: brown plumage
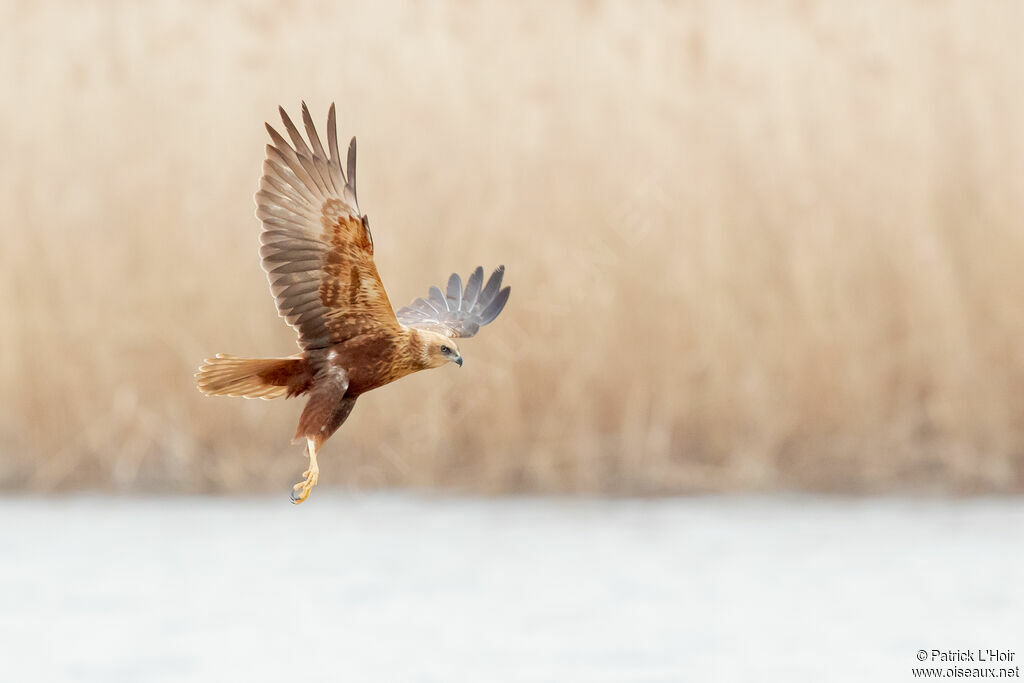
{"points": [[317, 250]]}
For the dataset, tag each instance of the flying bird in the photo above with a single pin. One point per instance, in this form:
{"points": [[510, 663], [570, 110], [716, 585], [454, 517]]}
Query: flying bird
{"points": [[317, 251]]}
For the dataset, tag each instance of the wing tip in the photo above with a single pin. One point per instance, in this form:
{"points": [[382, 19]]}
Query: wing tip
{"points": [[495, 306]]}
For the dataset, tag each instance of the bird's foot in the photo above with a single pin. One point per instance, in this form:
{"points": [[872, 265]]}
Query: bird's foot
{"points": [[300, 491]]}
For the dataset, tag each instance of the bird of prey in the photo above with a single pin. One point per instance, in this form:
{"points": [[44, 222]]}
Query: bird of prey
{"points": [[317, 251]]}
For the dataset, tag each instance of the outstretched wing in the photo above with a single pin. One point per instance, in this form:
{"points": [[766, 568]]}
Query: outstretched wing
{"points": [[458, 312], [316, 248]]}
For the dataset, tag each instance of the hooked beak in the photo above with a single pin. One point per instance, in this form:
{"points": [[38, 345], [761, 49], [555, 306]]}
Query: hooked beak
{"points": [[459, 361]]}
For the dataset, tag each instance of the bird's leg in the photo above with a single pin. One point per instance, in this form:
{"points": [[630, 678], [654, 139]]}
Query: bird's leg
{"points": [[300, 491]]}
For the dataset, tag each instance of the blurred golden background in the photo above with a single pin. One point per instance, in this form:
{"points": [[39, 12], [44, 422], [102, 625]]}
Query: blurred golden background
{"points": [[752, 245]]}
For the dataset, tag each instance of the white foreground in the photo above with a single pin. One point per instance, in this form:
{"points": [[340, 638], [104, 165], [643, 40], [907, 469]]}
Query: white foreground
{"points": [[352, 587]]}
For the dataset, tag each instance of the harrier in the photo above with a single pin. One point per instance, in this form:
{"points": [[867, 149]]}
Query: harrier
{"points": [[317, 251]]}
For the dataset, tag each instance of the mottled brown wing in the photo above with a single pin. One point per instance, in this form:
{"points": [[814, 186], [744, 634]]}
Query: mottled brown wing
{"points": [[316, 248]]}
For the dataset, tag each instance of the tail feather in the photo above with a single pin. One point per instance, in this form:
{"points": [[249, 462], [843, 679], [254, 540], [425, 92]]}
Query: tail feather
{"points": [[267, 378]]}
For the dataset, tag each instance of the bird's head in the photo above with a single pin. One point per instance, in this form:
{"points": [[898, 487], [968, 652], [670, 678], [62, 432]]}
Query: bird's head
{"points": [[440, 349]]}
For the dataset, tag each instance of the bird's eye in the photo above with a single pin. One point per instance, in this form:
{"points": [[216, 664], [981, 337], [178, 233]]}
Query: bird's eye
{"points": [[445, 349]]}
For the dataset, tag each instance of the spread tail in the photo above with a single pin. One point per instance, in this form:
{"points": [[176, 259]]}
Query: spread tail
{"points": [[267, 378]]}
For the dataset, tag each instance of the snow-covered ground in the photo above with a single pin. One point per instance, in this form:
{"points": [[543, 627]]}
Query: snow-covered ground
{"points": [[353, 587]]}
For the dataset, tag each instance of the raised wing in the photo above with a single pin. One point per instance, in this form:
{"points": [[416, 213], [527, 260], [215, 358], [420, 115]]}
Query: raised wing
{"points": [[459, 312], [316, 248]]}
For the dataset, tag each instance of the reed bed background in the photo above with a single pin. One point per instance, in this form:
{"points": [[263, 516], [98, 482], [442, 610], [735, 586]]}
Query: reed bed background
{"points": [[753, 245]]}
